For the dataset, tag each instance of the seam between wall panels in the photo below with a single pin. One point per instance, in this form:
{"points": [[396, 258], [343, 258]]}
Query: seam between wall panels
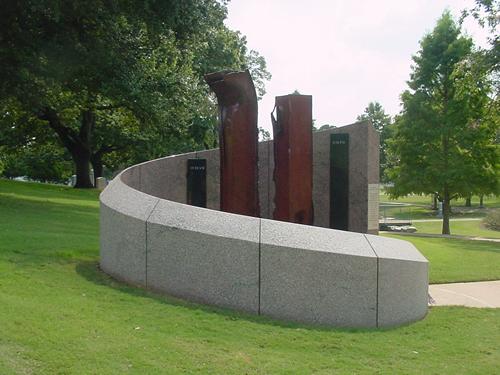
{"points": [[146, 242], [269, 179], [140, 178], [377, 294], [259, 268]]}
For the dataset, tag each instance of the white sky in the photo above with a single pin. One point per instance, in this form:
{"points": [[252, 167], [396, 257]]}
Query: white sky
{"points": [[343, 53]]}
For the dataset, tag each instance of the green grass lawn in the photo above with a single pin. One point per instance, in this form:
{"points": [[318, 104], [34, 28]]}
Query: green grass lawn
{"points": [[473, 228], [419, 207], [455, 260], [60, 315], [425, 200], [406, 212]]}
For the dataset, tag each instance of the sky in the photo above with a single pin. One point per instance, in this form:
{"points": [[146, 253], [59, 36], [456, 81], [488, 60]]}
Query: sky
{"points": [[343, 53]]}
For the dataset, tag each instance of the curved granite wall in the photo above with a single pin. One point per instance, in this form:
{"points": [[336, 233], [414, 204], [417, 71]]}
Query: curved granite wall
{"points": [[286, 271]]}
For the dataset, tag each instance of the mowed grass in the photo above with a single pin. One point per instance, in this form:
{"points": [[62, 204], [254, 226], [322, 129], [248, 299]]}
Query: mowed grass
{"points": [[419, 207], [471, 228], [60, 315], [489, 201], [456, 260]]}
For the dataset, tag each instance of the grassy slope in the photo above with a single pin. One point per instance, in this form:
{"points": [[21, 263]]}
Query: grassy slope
{"points": [[421, 207], [454, 260], [59, 314], [473, 228], [489, 201]]}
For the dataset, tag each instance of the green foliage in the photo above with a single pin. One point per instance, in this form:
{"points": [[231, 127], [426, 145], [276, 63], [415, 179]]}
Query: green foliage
{"points": [[117, 81], [382, 123], [47, 163], [376, 114], [468, 228], [264, 135], [61, 314], [28, 149], [456, 260], [444, 141], [486, 14], [324, 127], [492, 220]]}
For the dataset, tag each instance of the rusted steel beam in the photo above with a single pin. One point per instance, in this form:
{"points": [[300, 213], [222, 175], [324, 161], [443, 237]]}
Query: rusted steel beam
{"points": [[238, 135], [293, 159]]}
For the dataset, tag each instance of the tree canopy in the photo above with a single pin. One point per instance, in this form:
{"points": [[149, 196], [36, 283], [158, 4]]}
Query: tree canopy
{"points": [[444, 141], [115, 81], [382, 123]]}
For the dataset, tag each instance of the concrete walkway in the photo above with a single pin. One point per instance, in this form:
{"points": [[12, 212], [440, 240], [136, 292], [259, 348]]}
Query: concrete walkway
{"points": [[435, 220], [476, 294], [431, 235]]}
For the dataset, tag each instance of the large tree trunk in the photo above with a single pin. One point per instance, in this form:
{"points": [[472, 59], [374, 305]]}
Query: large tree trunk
{"points": [[82, 151], [446, 155], [96, 161], [446, 212], [78, 143], [468, 202], [82, 164], [481, 203]]}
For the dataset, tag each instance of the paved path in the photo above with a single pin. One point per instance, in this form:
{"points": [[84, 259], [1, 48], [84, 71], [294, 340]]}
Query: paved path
{"points": [[461, 219], [477, 294], [431, 235]]}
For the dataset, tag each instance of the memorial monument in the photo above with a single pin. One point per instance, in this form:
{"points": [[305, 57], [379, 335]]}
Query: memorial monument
{"points": [[231, 254]]}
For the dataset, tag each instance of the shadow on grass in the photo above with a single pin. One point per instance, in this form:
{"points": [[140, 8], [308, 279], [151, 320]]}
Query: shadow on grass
{"points": [[458, 244], [26, 205], [44, 191], [473, 245], [90, 271], [34, 232]]}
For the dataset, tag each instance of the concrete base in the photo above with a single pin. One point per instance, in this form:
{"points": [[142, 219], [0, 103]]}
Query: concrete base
{"points": [[203, 255], [333, 283], [286, 271]]}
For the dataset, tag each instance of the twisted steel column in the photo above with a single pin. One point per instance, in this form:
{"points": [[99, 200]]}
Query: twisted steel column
{"points": [[293, 159], [238, 138]]}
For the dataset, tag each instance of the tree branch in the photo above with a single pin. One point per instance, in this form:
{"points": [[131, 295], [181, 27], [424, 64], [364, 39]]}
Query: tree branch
{"points": [[106, 149], [68, 136]]}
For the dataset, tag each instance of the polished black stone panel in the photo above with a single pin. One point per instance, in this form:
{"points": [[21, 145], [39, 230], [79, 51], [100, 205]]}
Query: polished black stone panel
{"points": [[339, 181], [197, 182]]}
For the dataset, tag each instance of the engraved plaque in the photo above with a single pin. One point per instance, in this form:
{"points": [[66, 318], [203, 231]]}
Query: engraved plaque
{"points": [[197, 182], [339, 181]]}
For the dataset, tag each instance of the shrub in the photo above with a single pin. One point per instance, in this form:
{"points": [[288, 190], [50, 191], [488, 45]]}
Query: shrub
{"points": [[492, 220]]}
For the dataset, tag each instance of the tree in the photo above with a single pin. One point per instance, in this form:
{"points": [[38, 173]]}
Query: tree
{"points": [[27, 149], [106, 77], [46, 163], [486, 61], [264, 134], [476, 91], [444, 138], [486, 13], [382, 123], [322, 127]]}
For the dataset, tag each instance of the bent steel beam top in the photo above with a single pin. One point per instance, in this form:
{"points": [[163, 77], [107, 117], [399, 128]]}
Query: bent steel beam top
{"points": [[238, 138], [293, 159]]}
